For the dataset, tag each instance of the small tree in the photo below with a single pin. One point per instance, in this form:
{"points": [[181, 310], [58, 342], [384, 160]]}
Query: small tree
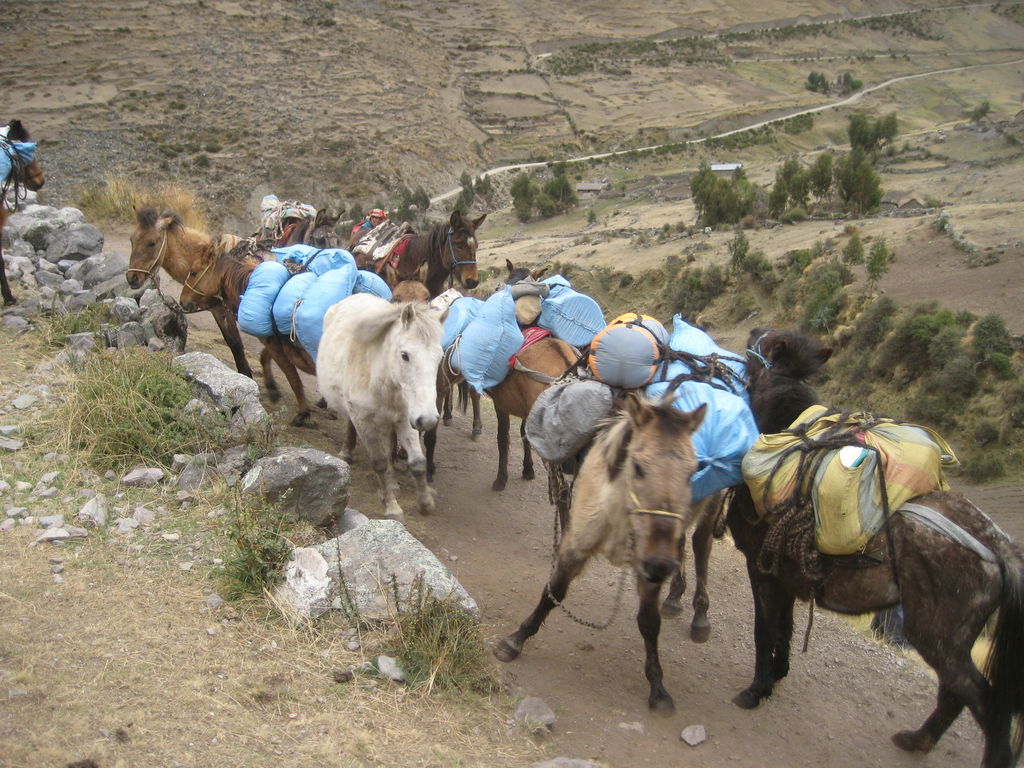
{"points": [[738, 250], [523, 191], [853, 253], [821, 175], [816, 81], [878, 263], [980, 111]]}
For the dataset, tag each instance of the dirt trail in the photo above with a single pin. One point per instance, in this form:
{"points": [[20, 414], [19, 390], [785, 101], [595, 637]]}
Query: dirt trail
{"points": [[840, 703]]}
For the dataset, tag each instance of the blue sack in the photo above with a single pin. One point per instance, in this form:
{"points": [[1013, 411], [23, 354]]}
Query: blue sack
{"points": [[689, 338], [489, 341], [723, 438], [323, 294], [460, 314], [370, 282], [316, 260], [25, 150], [570, 315], [254, 310]]}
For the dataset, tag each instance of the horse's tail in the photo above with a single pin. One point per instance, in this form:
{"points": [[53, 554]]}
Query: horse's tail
{"points": [[463, 395], [1005, 666]]}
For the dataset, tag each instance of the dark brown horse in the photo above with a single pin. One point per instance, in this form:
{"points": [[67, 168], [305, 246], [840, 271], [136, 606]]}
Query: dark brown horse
{"points": [[444, 255], [950, 575], [25, 173], [222, 278], [631, 504]]}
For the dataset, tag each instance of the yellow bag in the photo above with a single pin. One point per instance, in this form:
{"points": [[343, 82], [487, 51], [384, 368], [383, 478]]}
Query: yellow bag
{"points": [[845, 489]]}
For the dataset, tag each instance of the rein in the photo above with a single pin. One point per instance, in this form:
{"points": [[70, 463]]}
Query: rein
{"points": [[196, 291]]}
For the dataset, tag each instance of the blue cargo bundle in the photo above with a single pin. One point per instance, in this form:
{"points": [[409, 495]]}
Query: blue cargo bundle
{"points": [[489, 341], [278, 301], [728, 430], [570, 315]]}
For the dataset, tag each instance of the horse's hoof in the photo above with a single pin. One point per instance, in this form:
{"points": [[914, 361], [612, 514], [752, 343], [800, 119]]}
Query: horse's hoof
{"points": [[498, 485], [912, 741], [746, 699], [273, 394], [671, 607], [399, 516], [447, 421], [528, 474], [662, 705], [10, 301], [477, 431], [699, 633], [302, 420], [505, 651], [321, 403], [428, 504]]}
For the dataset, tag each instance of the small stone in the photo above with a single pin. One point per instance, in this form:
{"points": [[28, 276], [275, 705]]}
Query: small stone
{"points": [[533, 712], [343, 675], [389, 667], [10, 444], [24, 401], [56, 569], [634, 726], [213, 602], [126, 525], [8, 524], [694, 735], [185, 566], [51, 521], [143, 477], [51, 534], [170, 536], [353, 645]]}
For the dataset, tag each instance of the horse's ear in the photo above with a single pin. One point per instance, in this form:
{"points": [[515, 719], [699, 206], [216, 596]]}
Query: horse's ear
{"points": [[456, 220], [164, 222], [638, 411], [508, 266], [408, 314], [696, 416], [146, 217], [478, 222], [536, 274]]}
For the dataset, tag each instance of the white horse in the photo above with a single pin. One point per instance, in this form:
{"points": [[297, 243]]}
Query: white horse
{"points": [[377, 366]]}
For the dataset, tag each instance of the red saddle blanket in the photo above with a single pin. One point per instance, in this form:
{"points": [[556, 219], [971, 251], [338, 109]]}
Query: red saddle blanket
{"points": [[531, 336]]}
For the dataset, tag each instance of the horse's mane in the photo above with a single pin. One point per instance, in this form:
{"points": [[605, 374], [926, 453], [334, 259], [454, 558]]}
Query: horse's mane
{"points": [[617, 433], [16, 131], [234, 276], [379, 320]]}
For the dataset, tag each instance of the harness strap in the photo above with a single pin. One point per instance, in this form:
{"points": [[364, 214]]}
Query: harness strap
{"points": [[942, 524]]}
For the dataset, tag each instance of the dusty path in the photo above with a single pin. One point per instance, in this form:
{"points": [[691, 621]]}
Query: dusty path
{"points": [[841, 702]]}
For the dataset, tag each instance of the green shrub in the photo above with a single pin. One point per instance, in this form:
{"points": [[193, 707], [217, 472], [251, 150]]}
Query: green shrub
{"points": [[874, 323], [990, 336], [793, 215], [440, 645], [985, 431], [260, 549], [58, 327], [127, 408], [981, 466]]}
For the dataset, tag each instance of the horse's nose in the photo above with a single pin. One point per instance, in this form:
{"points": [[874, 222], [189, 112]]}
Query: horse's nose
{"points": [[423, 423], [187, 307], [134, 281], [657, 569], [472, 283]]}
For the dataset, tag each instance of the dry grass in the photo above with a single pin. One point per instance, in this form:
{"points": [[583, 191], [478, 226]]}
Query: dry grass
{"points": [[117, 197]]}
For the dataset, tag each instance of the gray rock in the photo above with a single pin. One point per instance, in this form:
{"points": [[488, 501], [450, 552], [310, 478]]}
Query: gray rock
{"points": [[10, 444], [231, 392], [70, 286], [196, 471], [39, 233], [130, 334], [94, 511], [77, 241], [352, 518], [51, 521], [313, 485], [15, 323], [305, 592], [126, 525], [68, 216], [534, 713], [143, 477], [8, 524], [124, 310], [390, 668], [24, 401], [234, 463], [381, 556], [51, 534], [694, 735]]}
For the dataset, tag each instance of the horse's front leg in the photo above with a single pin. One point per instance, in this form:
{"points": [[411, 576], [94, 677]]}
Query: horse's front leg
{"points": [[348, 449], [446, 407], [377, 443], [228, 325], [568, 566], [527, 453], [502, 478], [5, 287], [770, 614], [703, 539], [648, 619], [410, 439]]}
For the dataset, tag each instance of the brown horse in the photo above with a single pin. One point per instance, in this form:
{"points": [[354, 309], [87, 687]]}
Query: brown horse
{"points": [[631, 504], [25, 173], [223, 277], [165, 242], [445, 254], [950, 574]]}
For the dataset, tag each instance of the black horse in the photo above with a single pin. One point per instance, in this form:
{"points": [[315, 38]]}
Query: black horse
{"points": [[949, 584], [24, 172]]}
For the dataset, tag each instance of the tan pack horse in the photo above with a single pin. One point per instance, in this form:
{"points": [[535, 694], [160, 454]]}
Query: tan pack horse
{"points": [[25, 173], [631, 504]]}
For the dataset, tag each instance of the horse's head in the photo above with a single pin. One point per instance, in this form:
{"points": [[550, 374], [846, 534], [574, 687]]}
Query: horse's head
{"points": [[459, 250], [149, 244], [25, 168], [411, 350], [518, 274], [410, 290], [648, 450], [786, 353]]}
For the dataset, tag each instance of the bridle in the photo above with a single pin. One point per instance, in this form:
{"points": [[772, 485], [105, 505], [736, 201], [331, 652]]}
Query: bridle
{"points": [[755, 351], [196, 291], [155, 266], [638, 510], [456, 262]]}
